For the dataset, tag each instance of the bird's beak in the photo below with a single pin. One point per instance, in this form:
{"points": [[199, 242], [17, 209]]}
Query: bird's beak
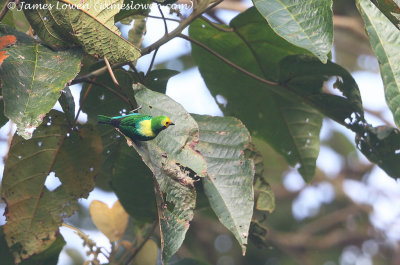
{"points": [[172, 123]]}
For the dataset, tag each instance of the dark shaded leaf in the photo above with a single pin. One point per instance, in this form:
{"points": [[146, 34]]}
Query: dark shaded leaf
{"points": [[381, 145], [157, 79], [132, 182], [33, 77], [67, 104]]}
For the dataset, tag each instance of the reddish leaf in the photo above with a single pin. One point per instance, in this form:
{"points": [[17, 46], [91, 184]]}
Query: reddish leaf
{"points": [[4, 42]]}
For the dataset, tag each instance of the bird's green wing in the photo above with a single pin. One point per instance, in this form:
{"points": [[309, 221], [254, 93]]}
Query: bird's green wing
{"points": [[132, 119]]}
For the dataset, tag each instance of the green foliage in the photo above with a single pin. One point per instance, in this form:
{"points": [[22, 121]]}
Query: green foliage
{"points": [[34, 212], [385, 42], [269, 68], [47, 257], [382, 146], [307, 24], [90, 25], [389, 8], [33, 77], [292, 129], [171, 156], [222, 143]]}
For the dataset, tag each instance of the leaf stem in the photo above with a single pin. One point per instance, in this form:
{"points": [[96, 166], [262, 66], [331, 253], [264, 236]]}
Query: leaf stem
{"points": [[277, 88], [163, 18], [149, 234], [111, 72], [121, 96], [217, 26], [152, 61], [170, 19]]}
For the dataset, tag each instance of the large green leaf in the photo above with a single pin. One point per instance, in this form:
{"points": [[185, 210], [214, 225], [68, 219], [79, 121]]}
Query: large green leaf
{"points": [[34, 213], [32, 78], [307, 24], [229, 182], [381, 145], [47, 257], [292, 128], [283, 114], [89, 24], [391, 9], [385, 41], [171, 157]]}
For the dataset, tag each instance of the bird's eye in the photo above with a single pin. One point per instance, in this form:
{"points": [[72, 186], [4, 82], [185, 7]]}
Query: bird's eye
{"points": [[167, 123]]}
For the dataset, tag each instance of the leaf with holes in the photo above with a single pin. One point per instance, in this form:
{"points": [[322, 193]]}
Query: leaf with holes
{"points": [[89, 24], [48, 257], [307, 24], [34, 212], [382, 146], [385, 41], [229, 182], [32, 78], [172, 158]]}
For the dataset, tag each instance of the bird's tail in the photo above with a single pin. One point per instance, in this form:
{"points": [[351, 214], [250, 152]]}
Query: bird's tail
{"points": [[103, 119]]}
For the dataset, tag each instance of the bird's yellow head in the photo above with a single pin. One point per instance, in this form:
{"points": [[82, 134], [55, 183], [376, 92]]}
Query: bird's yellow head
{"points": [[160, 123], [167, 122]]}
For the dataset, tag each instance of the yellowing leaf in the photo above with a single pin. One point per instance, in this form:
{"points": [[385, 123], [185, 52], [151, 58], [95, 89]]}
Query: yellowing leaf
{"points": [[147, 255], [111, 222]]}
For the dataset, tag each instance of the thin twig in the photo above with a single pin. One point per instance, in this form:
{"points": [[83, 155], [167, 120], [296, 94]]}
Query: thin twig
{"points": [[123, 97], [163, 17], [96, 73], [215, 25], [111, 72], [170, 19], [85, 238], [268, 82], [4, 10], [143, 242], [152, 61], [178, 29]]}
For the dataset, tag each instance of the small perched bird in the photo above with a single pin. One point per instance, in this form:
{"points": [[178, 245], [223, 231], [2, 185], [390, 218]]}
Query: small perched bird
{"points": [[137, 126]]}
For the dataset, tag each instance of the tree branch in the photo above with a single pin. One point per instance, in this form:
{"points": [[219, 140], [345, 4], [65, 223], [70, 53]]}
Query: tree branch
{"points": [[195, 14]]}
